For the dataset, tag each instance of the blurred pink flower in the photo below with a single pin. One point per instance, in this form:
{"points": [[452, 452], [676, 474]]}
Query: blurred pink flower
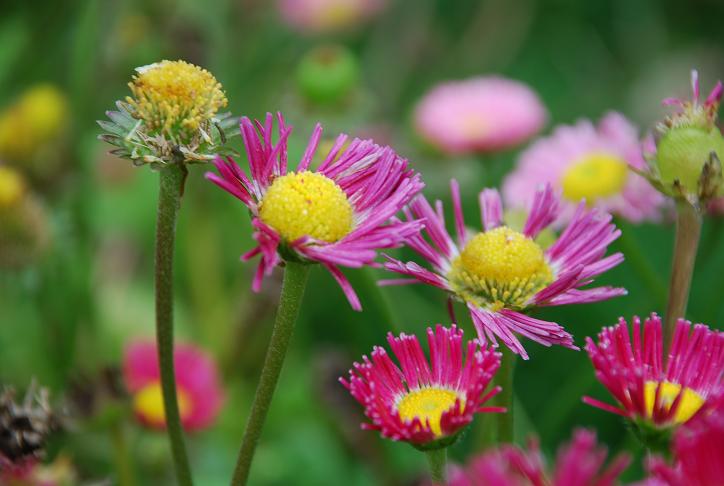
{"points": [[200, 395], [500, 273], [588, 162], [579, 463], [483, 114], [318, 16], [423, 401], [716, 206], [338, 214], [651, 388]]}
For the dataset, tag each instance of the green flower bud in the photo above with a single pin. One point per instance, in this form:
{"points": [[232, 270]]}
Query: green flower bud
{"points": [[327, 74], [682, 153]]}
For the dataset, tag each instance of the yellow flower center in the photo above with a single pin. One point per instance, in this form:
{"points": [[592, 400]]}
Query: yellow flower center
{"points": [[148, 403], [12, 187], [473, 126], [307, 204], [33, 121], [45, 109], [500, 268], [688, 405], [175, 97], [593, 177], [427, 404]]}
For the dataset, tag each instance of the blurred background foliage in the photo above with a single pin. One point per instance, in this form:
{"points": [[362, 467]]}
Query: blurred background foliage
{"points": [[65, 319]]}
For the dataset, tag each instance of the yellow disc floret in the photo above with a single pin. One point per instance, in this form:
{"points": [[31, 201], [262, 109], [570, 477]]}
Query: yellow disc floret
{"points": [[307, 204], [175, 97], [36, 119], [500, 268], [148, 403], [595, 176], [45, 109], [689, 403], [428, 404], [12, 187]]}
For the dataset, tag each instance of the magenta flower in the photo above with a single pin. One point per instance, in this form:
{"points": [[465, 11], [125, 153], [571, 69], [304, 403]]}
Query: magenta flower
{"points": [[424, 402], [588, 162], [200, 395], [500, 273], [651, 388], [484, 114], [319, 16], [338, 214], [698, 449], [580, 463]]}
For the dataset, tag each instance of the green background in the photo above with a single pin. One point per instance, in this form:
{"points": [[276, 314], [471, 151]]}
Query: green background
{"points": [[66, 319]]}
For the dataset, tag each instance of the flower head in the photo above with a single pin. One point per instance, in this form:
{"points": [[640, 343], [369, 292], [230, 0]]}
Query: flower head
{"points": [[588, 162], [424, 402], [200, 395], [327, 74], [12, 187], [24, 231], [172, 114], [500, 272], [318, 16], [36, 119], [654, 391], [483, 114], [338, 214], [579, 463], [685, 160], [24, 429], [698, 448]]}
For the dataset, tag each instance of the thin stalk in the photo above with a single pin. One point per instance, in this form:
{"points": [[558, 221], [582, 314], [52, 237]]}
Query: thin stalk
{"points": [[122, 456], [688, 231], [505, 397], [295, 280], [437, 460], [169, 201]]}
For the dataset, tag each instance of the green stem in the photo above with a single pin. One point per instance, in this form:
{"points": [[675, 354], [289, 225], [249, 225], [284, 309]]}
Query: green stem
{"points": [[437, 460], [688, 231], [122, 456], [295, 280], [505, 397], [169, 201]]}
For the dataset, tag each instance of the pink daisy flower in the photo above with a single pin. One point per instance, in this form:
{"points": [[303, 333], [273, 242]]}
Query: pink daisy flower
{"points": [[424, 402], [318, 16], [483, 114], [650, 388], [588, 162], [698, 449], [200, 395], [500, 273], [338, 214], [580, 463]]}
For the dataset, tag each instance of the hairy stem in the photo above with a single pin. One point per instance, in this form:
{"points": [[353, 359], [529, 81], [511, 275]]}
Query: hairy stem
{"points": [[437, 460], [169, 201], [688, 231], [295, 280]]}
